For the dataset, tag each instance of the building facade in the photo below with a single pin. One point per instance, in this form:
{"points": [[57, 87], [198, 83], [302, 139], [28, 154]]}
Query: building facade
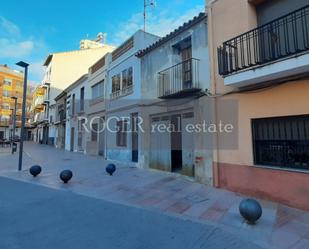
{"points": [[60, 120], [123, 97], [96, 97], [76, 109], [175, 75], [11, 86], [259, 58], [62, 69]]}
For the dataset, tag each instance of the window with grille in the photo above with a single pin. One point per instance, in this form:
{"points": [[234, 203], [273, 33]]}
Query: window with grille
{"points": [[281, 142]]}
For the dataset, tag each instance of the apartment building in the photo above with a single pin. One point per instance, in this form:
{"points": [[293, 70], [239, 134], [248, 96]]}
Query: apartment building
{"points": [[62, 69], [40, 113], [60, 120], [259, 58], [124, 95], [76, 109], [11, 86], [175, 76], [96, 96]]}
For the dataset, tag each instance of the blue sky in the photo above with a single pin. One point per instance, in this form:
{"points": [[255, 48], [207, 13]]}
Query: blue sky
{"points": [[29, 30]]}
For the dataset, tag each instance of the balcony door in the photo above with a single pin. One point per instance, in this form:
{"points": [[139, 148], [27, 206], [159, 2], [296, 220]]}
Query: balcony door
{"points": [[186, 55]]}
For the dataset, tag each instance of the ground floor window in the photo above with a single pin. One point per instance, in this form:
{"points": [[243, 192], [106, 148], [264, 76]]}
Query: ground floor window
{"points": [[281, 141], [121, 136]]}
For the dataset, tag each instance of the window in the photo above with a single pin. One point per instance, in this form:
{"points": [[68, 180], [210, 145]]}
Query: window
{"points": [[121, 136], [127, 78], [116, 83], [81, 124], [5, 93], [73, 104], [20, 85], [82, 98], [94, 132], [6, 106], [98, 90], [7, 82], [130, 76], [4, 118], [281, 142]]}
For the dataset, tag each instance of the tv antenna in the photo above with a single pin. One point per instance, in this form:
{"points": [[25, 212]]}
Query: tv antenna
{"points": [[148, 3]]}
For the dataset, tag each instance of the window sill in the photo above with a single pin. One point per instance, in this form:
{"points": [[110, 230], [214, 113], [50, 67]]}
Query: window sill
{"points": [[282, 169]]}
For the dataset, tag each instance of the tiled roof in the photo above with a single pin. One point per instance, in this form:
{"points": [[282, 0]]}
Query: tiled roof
{"points": [[171, 35]]}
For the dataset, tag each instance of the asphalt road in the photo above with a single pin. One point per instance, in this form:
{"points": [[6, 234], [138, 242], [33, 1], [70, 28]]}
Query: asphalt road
{"points": [[36, 217]]}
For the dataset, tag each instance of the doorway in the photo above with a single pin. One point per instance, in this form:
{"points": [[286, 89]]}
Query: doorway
{"points": [[176, 143], [101, 136], [72, 139], [134, 133], [186, 55], [45, 135]]}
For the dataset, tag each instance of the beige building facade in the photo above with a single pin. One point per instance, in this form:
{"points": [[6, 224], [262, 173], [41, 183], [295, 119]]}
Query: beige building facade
{"points": [[259, 59], [62, 69]]}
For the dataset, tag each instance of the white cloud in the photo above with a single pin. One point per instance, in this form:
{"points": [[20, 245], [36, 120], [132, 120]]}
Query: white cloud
{"points": [[13, 49], [159, 24], [36, 69], [14, 46], [9, 27]]}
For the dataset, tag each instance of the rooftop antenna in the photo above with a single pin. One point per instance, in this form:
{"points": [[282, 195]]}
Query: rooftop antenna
{"points": [[147, 3]]}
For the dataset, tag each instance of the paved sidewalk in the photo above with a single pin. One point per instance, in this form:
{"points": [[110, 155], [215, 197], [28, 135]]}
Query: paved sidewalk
{"points": [[280, 227]]}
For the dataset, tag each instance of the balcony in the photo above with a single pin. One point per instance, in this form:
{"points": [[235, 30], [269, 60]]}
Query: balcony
{"points": [[180, 80], [271, 52]]}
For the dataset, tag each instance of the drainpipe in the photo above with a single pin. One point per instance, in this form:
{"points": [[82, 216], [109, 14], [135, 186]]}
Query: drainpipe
{"points": [[214, 92]]}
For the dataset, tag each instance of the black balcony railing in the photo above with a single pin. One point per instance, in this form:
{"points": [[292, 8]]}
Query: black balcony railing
{"points": [[285, 36], [179, 80]]}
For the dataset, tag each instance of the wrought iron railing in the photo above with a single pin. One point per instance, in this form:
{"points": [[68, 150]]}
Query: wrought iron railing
{"points": [[179, 78], [285, 36]]}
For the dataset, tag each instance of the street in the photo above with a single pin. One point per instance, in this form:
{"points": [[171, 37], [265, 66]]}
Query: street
{"points": [[35, 217], [135, 208]]}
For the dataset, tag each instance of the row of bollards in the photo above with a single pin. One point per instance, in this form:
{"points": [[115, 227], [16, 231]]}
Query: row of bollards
{"points": [[66, 175], [249, 209]]}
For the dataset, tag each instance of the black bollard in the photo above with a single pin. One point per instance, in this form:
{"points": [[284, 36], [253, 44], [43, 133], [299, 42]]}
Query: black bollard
{"points": [[110, 168], [250, 210], [35, 170], [66, 175]]}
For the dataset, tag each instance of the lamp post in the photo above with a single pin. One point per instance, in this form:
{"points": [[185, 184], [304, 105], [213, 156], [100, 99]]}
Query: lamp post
{"points": [[11, 127], [14, 121], [23, 114]]}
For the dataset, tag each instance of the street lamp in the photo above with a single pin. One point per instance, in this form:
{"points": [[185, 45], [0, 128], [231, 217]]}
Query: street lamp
{"points": [[14, 122], [23, 114]]}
